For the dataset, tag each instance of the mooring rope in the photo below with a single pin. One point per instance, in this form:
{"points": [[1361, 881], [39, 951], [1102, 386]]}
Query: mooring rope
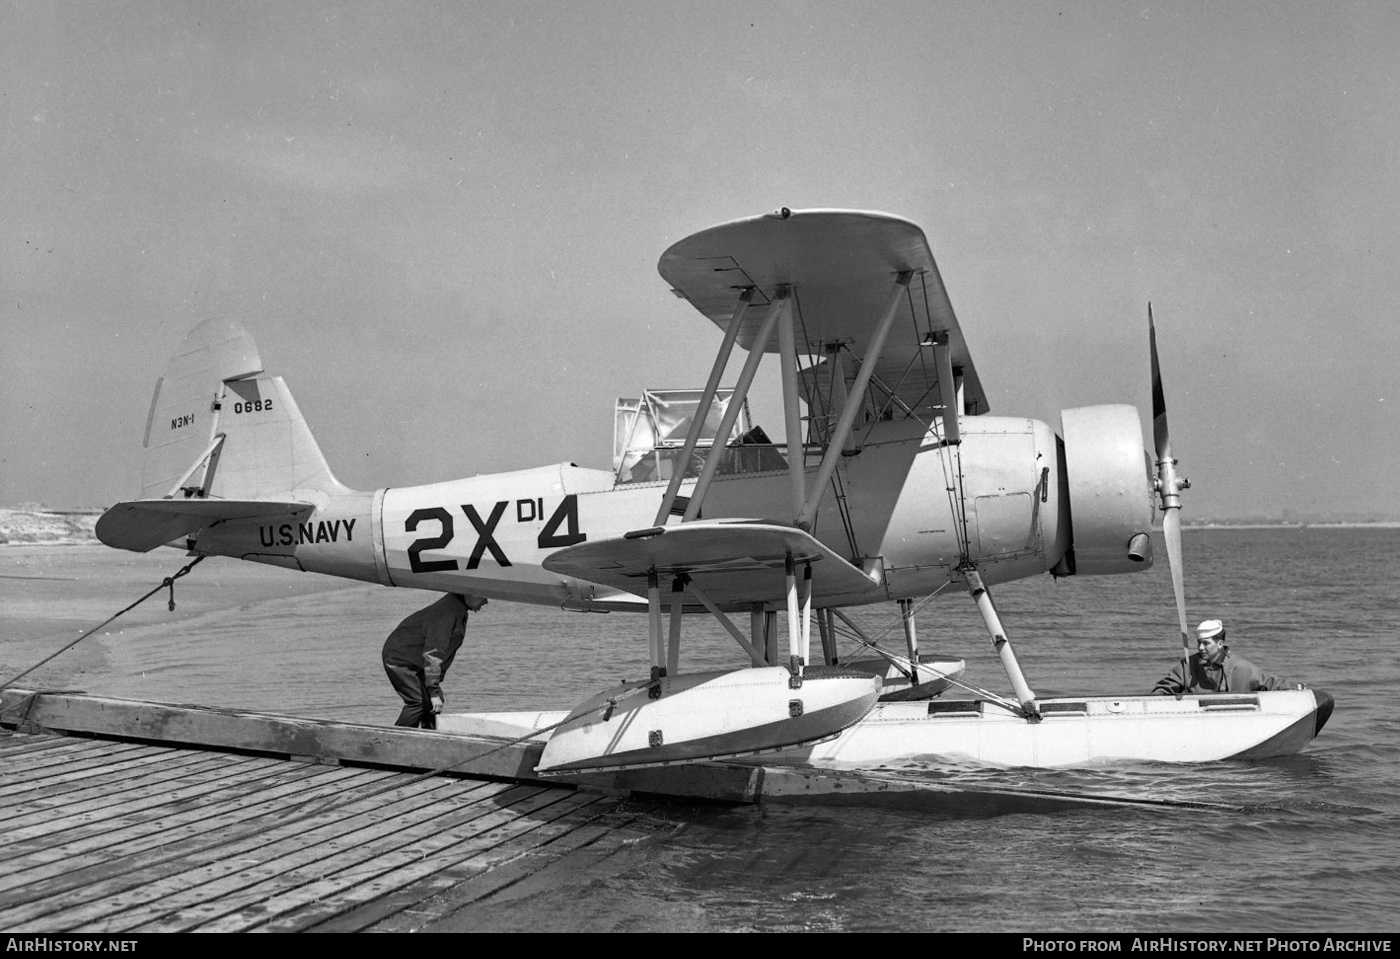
{"points": [[167, 583]]}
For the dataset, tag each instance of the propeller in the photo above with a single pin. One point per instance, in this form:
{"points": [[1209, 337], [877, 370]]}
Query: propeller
{"points": [[1168, 487]]}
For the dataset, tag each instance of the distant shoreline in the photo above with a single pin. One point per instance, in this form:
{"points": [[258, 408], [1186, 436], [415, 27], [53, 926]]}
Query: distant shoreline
{"points": [[24, 527], [1379, 524]]}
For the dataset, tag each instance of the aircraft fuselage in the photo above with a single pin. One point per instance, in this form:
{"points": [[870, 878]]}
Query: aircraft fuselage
{"points": [[1000, 492]]}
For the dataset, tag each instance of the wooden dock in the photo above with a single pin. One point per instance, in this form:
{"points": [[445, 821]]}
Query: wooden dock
{"points": [[124, 816], [110, 835]]}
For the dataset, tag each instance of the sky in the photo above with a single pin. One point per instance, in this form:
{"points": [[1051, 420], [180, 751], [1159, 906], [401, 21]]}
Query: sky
{"points": [[441, 221]]}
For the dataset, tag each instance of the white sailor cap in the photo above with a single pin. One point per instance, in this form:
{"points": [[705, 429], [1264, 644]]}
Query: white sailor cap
{"points": [[1209, 629]]}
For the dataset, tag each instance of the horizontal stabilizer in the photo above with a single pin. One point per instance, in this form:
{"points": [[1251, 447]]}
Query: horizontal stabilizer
{"points": [[736, 562], [142, 525]]}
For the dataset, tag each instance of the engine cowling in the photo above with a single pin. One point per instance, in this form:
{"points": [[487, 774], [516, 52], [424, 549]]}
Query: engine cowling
{"points": [[1107, 483], [1021, 501]]}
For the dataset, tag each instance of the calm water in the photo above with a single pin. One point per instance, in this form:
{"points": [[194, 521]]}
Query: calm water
{"points": [[1314, 848]]}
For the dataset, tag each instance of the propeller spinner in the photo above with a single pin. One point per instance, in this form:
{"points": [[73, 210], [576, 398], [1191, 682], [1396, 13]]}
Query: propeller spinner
{"points": [[1168, 486]]}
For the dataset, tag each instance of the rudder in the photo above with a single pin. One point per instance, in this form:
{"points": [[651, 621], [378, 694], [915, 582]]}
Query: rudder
{"points": [[217, 429], [268, 450]]}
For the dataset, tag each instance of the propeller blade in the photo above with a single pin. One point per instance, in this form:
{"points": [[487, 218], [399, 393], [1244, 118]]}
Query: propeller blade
{"points": [[1169, 488], [1171, 532], [1160, 434]]}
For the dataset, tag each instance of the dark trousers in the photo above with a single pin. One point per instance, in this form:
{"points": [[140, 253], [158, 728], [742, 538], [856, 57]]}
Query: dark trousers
{"points": [[408, 683]]}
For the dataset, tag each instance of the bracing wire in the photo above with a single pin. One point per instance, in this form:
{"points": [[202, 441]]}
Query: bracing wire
{"points": [[905, 665]]}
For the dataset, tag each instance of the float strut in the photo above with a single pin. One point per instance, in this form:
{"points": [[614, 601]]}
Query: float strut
{"points": [[758, 633], [828, 635], [794, 625], [911, 639], [806, 613], [658, 671], [673, 649], [983, 598], [754, 654]]}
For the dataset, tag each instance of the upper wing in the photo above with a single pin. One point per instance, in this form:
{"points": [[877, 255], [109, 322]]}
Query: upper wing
{"points": [[736, 562], [841, 265]]}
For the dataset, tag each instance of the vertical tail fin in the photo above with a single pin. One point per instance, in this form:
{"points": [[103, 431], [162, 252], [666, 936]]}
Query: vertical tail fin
{"points": [[180, 425], [222, 443], [219, 430], [268, 450]]}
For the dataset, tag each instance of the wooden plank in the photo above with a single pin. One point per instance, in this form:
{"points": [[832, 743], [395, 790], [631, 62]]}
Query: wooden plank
{"points": [[137, 880], [280, 735], [35, 748], [121, 871], [205, 816], [203, 862], [574, 849], [372, 902], [140, 797], [308, 882], [223, 797], [57, 744], [82, 860], [123, 787], [282, 862], [374, 877], [18, 743], [31, 785], [85, 754], [60, 790], [41, 815], [147, 795]]}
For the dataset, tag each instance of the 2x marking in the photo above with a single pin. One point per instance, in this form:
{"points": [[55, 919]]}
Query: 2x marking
{"points": [[526, 510]]}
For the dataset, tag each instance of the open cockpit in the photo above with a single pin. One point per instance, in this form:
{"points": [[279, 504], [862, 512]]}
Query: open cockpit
{"points": [[649, 438]]}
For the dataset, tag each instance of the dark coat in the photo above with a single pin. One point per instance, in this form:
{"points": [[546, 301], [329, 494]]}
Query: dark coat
{"points": [[1232, 674], [429, 639]]}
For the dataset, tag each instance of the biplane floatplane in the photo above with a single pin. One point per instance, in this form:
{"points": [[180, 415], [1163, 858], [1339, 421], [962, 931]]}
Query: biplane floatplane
{"points": [[894, 484]]}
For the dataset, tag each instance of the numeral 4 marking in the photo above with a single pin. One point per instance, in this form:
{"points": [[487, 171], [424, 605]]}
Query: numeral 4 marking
{"points": [[565, 515]]}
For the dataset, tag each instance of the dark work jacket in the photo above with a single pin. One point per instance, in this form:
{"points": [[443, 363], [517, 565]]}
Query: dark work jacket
{"points": [[1233, 674], [429, 639]]}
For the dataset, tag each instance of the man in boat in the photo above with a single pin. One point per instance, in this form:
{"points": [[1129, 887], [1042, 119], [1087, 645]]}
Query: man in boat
{"points": [[418, 652], [1214, 669]]}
